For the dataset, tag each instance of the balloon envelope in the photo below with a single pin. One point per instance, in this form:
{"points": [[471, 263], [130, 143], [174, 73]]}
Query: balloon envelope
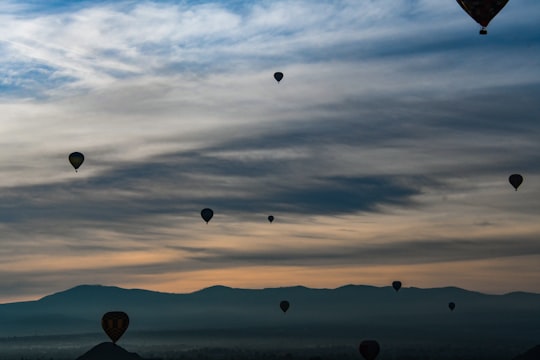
{"points": [[115, 324], [76, 159], [482, 11], [369, 349], [207, 214], [451, 306], [278, 76], [515, 180], [270, 218], [396, 285], [284, 305]]}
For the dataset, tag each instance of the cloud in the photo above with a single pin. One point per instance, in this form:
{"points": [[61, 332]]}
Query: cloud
{"points": [[399, 253], [391, 119], [91, 45]]}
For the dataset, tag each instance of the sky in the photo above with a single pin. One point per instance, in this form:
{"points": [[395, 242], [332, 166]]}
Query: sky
{"points": [[383, 154]]}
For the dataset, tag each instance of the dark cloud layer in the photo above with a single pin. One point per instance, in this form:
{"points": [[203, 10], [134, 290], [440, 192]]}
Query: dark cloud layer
{"points": [[130, 193], [400, 252], [314, 183]]}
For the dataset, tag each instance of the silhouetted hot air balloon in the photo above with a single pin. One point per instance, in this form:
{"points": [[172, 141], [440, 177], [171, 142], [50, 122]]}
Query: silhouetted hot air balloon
{"points": [[270, 218], [76, 159], [207, 214], [115, 324], [278, 76], [284, 305], [482, 11], [515, 180], [451, 306], [396, 285], [369, 349]]}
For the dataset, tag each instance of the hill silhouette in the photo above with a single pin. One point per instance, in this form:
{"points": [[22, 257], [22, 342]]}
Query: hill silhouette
{"points": [[531, 354], [244, 316], [108, 351]]}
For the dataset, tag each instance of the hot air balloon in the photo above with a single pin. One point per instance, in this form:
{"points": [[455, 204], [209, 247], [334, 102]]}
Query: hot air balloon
{"points": [[207, 214], [76, 159], [115, 324], [396, 285], [284, 305], [515, 180], [270, 218], [482, 11], [278, 76], [451, 306], [369, 349]]}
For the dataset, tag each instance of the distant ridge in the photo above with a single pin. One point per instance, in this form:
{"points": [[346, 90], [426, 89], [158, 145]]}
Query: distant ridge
{"points": [[93, 289], [86, 289], [339, 316]]}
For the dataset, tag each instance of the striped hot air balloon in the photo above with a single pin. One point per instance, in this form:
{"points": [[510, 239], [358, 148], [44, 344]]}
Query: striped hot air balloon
{"points": [[115, 324]]}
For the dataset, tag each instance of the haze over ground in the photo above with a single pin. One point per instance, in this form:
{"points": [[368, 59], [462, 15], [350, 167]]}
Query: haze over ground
{"points": [[221, 322], [384, 153]]}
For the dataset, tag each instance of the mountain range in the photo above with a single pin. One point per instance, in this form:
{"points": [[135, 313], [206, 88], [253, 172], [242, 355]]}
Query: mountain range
{"points": [[328, 316]]}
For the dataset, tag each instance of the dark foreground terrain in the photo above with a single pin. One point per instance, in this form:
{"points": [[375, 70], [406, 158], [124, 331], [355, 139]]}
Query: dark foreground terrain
{"points": [[151, 348]]}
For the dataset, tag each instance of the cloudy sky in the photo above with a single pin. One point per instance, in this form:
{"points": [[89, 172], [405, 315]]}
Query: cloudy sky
{"points": [[383, 154]]}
